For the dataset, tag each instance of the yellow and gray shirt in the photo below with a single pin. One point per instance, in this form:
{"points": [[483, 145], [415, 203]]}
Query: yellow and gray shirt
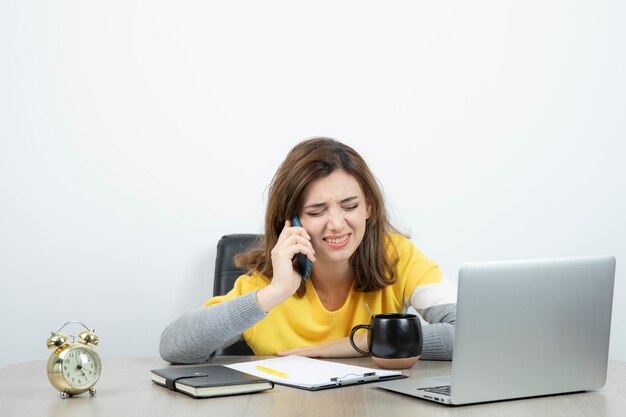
{"points": [[197, 335]]}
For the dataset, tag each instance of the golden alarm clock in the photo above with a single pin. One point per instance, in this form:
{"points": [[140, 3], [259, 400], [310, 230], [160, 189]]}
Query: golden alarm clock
{"points": [[74, 367]]}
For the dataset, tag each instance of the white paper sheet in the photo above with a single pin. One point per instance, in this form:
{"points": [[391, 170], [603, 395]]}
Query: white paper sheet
{"points": [[307, 372]]}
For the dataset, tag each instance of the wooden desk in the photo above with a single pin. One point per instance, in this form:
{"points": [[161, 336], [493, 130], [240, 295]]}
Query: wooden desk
{"points": [[125, 390]]}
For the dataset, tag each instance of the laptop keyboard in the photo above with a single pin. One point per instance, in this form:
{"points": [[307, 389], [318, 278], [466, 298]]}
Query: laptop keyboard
{"points": [[443, 390]]}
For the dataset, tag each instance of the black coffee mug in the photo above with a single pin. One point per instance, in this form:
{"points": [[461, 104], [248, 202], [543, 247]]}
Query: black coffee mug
{"points": [[391, 336]]}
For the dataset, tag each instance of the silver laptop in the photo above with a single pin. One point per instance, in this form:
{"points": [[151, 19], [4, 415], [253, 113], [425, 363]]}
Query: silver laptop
{"points": [[523, 329]]}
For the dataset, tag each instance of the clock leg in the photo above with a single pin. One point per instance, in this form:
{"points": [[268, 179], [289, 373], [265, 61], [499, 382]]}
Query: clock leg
{"points": [[64, 395], [92, 391]]}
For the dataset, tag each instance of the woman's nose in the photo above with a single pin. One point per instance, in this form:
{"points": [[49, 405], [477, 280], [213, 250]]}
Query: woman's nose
{"points": [[335, 221]]}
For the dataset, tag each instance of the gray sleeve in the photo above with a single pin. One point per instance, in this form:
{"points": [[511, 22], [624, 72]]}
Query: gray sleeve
{"points": [[439, 335], [195, 337]]}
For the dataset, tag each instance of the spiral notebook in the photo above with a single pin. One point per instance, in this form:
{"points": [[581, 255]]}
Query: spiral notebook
{"points": [[313, 374]]}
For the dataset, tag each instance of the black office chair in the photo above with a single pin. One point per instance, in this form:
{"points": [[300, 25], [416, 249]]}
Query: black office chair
{"points": [[226, 273]]}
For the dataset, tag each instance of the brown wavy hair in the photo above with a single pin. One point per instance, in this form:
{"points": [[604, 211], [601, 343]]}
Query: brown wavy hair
{"points": [[309, 161]]}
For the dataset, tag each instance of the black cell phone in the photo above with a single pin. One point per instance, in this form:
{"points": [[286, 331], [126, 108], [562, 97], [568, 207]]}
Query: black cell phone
{"points": [[304, 264]]}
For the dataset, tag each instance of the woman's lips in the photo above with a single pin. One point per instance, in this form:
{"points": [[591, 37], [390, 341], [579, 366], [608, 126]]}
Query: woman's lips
{"points": [[338, 242]]}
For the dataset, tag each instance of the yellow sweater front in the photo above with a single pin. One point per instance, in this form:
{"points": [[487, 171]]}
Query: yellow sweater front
{"points": [[304, 321]]}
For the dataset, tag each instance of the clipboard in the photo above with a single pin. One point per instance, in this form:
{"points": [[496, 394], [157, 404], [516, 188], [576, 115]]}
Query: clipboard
{"points": [[313, 374]]}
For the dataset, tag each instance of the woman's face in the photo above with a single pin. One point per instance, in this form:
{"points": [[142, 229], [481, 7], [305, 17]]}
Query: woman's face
{"points": [[334, 214]]}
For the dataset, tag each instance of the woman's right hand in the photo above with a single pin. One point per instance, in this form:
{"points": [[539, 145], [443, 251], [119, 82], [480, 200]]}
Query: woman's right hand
{"points": [[286, 279]]}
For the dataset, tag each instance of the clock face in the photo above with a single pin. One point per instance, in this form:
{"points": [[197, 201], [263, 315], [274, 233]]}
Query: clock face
{"points": [[81, 367]]}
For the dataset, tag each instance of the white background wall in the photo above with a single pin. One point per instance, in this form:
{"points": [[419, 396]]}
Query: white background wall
{"points": [[133, 134]]}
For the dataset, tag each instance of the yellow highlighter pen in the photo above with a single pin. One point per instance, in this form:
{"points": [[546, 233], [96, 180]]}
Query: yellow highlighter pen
{"points": [[271, 371]]}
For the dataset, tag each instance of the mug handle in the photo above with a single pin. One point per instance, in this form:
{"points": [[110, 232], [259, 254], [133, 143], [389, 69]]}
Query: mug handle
{"points": [[354, 329]]}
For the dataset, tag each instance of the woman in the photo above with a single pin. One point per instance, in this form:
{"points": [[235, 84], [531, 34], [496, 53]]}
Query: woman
{"points": [[358, 258]]}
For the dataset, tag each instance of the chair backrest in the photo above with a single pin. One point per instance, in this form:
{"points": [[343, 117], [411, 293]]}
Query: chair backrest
{"points": [[226, 273]]}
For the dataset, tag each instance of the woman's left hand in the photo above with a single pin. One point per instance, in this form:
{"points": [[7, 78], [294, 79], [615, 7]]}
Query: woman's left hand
{"points": [[339, 348]]}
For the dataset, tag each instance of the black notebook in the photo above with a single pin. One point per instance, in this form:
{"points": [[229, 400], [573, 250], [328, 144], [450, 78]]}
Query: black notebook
{"points": [[209, 381]]}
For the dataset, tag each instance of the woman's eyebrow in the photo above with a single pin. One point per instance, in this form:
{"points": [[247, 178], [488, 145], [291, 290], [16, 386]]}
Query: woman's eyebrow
{"points": [[348, 199], [343, 201], [317, 205]]}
